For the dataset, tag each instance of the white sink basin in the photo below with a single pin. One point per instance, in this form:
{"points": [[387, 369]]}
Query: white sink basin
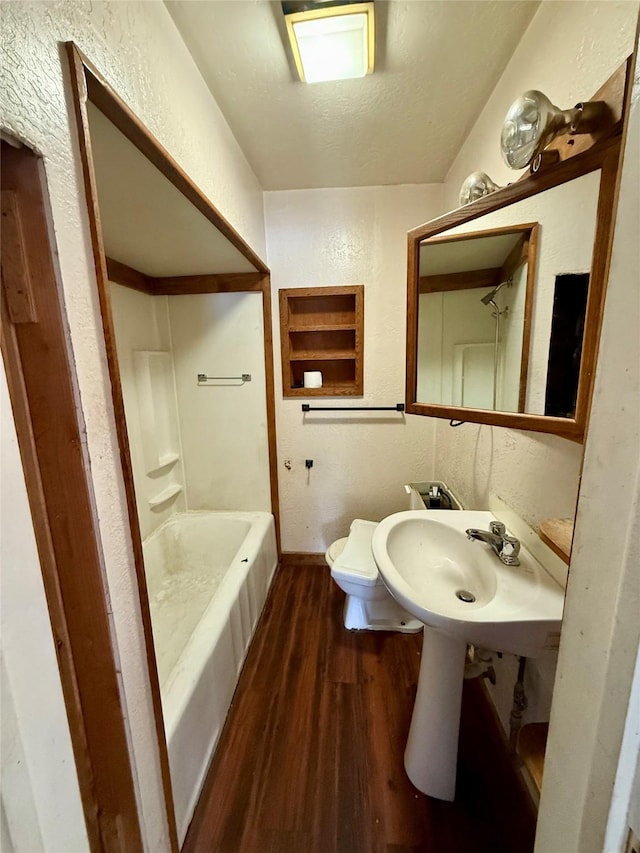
{"points": [[425, 560], [429, 565]]}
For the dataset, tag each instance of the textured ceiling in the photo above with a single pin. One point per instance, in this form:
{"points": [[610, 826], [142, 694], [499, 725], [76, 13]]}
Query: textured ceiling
{"points": [[437, 62]]}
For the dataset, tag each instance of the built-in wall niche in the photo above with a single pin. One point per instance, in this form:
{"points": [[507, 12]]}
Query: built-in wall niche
{"points": [[321, 329]]}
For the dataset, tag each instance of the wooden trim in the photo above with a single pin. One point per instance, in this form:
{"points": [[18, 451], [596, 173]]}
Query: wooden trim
{"points": [[503, 230], [532, 269], [181, 285], [447, 282], [15, 263], [600, 263], [79, 89], [563, 427], [302, 559], [269, 370], [116, 110], [58, 479], [129, 277], [413, 304]]}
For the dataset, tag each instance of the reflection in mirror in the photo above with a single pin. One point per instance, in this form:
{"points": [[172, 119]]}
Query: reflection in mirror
{"points": [[473, 326], [501, 308]]}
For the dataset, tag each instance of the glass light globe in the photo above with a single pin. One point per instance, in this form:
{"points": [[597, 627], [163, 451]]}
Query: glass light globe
{"points": [[477, 185], [533, 122], [530, 125]]}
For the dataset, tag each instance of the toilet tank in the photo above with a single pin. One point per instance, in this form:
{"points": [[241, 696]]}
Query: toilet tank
{"points": [[433, 494]]}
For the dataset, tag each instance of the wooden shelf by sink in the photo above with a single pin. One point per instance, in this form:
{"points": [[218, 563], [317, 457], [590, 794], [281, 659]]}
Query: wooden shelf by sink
{"points": [[557, 533], [532, 742]]}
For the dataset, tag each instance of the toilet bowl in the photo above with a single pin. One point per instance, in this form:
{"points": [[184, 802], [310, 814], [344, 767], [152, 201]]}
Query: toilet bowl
{"points": [[368, 606]]}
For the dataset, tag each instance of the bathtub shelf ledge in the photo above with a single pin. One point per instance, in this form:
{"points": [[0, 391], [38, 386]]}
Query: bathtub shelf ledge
{"points": [[165, 495]]}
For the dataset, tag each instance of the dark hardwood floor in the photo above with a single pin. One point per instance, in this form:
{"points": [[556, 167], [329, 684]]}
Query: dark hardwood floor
{"points": [[310, 758]]}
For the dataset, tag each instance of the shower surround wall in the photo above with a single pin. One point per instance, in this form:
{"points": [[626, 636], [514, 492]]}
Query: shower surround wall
{"points": [[141, 324], [223, 424], [138, 49], [223, 459]]}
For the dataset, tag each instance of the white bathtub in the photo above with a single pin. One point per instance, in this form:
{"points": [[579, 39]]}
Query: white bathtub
{"points": [[208, 574]]}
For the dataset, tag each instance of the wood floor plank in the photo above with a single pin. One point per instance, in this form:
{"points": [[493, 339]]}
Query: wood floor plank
{"points": [[311, 756]]}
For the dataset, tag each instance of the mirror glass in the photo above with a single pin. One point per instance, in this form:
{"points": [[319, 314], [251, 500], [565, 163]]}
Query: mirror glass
{"points": [[502, 304]]}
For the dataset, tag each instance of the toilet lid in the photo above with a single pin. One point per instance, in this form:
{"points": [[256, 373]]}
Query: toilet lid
{"points": [[355, 561], [335, 549]]}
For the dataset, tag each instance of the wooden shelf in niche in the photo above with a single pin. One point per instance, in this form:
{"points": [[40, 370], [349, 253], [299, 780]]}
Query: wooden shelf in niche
{"points": [[322, 329]]}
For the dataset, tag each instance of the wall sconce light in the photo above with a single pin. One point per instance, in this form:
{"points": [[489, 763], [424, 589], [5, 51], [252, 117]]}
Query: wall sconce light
{"points": [[533, 122], [331, 41], [477, 185]]}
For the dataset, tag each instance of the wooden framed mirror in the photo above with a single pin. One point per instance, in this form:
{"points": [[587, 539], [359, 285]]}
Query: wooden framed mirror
{"points": [[513, 341]]}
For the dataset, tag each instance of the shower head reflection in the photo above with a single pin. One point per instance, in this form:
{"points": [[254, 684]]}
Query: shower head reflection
{"points": [[489, 298]]}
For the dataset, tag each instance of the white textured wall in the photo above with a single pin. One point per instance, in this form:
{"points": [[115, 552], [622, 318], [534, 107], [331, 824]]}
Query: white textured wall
{"points": [[223, 425], [334, 237], [136, 46], [141, 322], [568, 51], [40, 795]]}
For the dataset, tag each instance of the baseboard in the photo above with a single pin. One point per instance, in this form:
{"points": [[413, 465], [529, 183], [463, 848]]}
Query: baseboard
{"points": [[298, 558]]}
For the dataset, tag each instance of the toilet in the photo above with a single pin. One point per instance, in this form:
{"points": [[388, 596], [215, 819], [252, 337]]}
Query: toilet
{"points": [[368, 606]]}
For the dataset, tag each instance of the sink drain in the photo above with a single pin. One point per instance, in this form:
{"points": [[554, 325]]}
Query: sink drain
{"points": [[466, 596]]}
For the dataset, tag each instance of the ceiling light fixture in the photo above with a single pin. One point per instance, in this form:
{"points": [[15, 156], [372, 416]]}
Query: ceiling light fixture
{"points": [[331, 41]]}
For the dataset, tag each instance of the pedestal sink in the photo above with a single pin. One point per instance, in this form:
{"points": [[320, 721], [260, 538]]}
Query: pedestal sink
{"points": [[462, 593]]}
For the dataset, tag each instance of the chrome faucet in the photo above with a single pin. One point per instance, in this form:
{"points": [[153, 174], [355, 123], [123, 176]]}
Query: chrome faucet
{"points": [[506, 547]]}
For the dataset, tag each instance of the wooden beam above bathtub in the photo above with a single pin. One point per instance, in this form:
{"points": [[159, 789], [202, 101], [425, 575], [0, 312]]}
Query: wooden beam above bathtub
{"points": [[129, 277], [183, 285], [216, 283]]}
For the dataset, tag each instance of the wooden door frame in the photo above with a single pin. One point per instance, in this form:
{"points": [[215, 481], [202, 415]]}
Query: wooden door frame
{"points": [[43, 385], [88, 84]]}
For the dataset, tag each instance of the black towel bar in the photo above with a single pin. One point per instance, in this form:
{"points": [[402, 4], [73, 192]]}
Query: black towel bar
{"points": [[399, 407]]}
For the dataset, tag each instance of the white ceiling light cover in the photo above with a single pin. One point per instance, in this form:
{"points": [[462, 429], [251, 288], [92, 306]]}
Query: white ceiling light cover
{"points": [[336, 44]]}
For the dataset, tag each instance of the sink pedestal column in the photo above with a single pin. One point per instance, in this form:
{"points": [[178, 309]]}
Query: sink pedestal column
{"points": [[432, 747]]}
